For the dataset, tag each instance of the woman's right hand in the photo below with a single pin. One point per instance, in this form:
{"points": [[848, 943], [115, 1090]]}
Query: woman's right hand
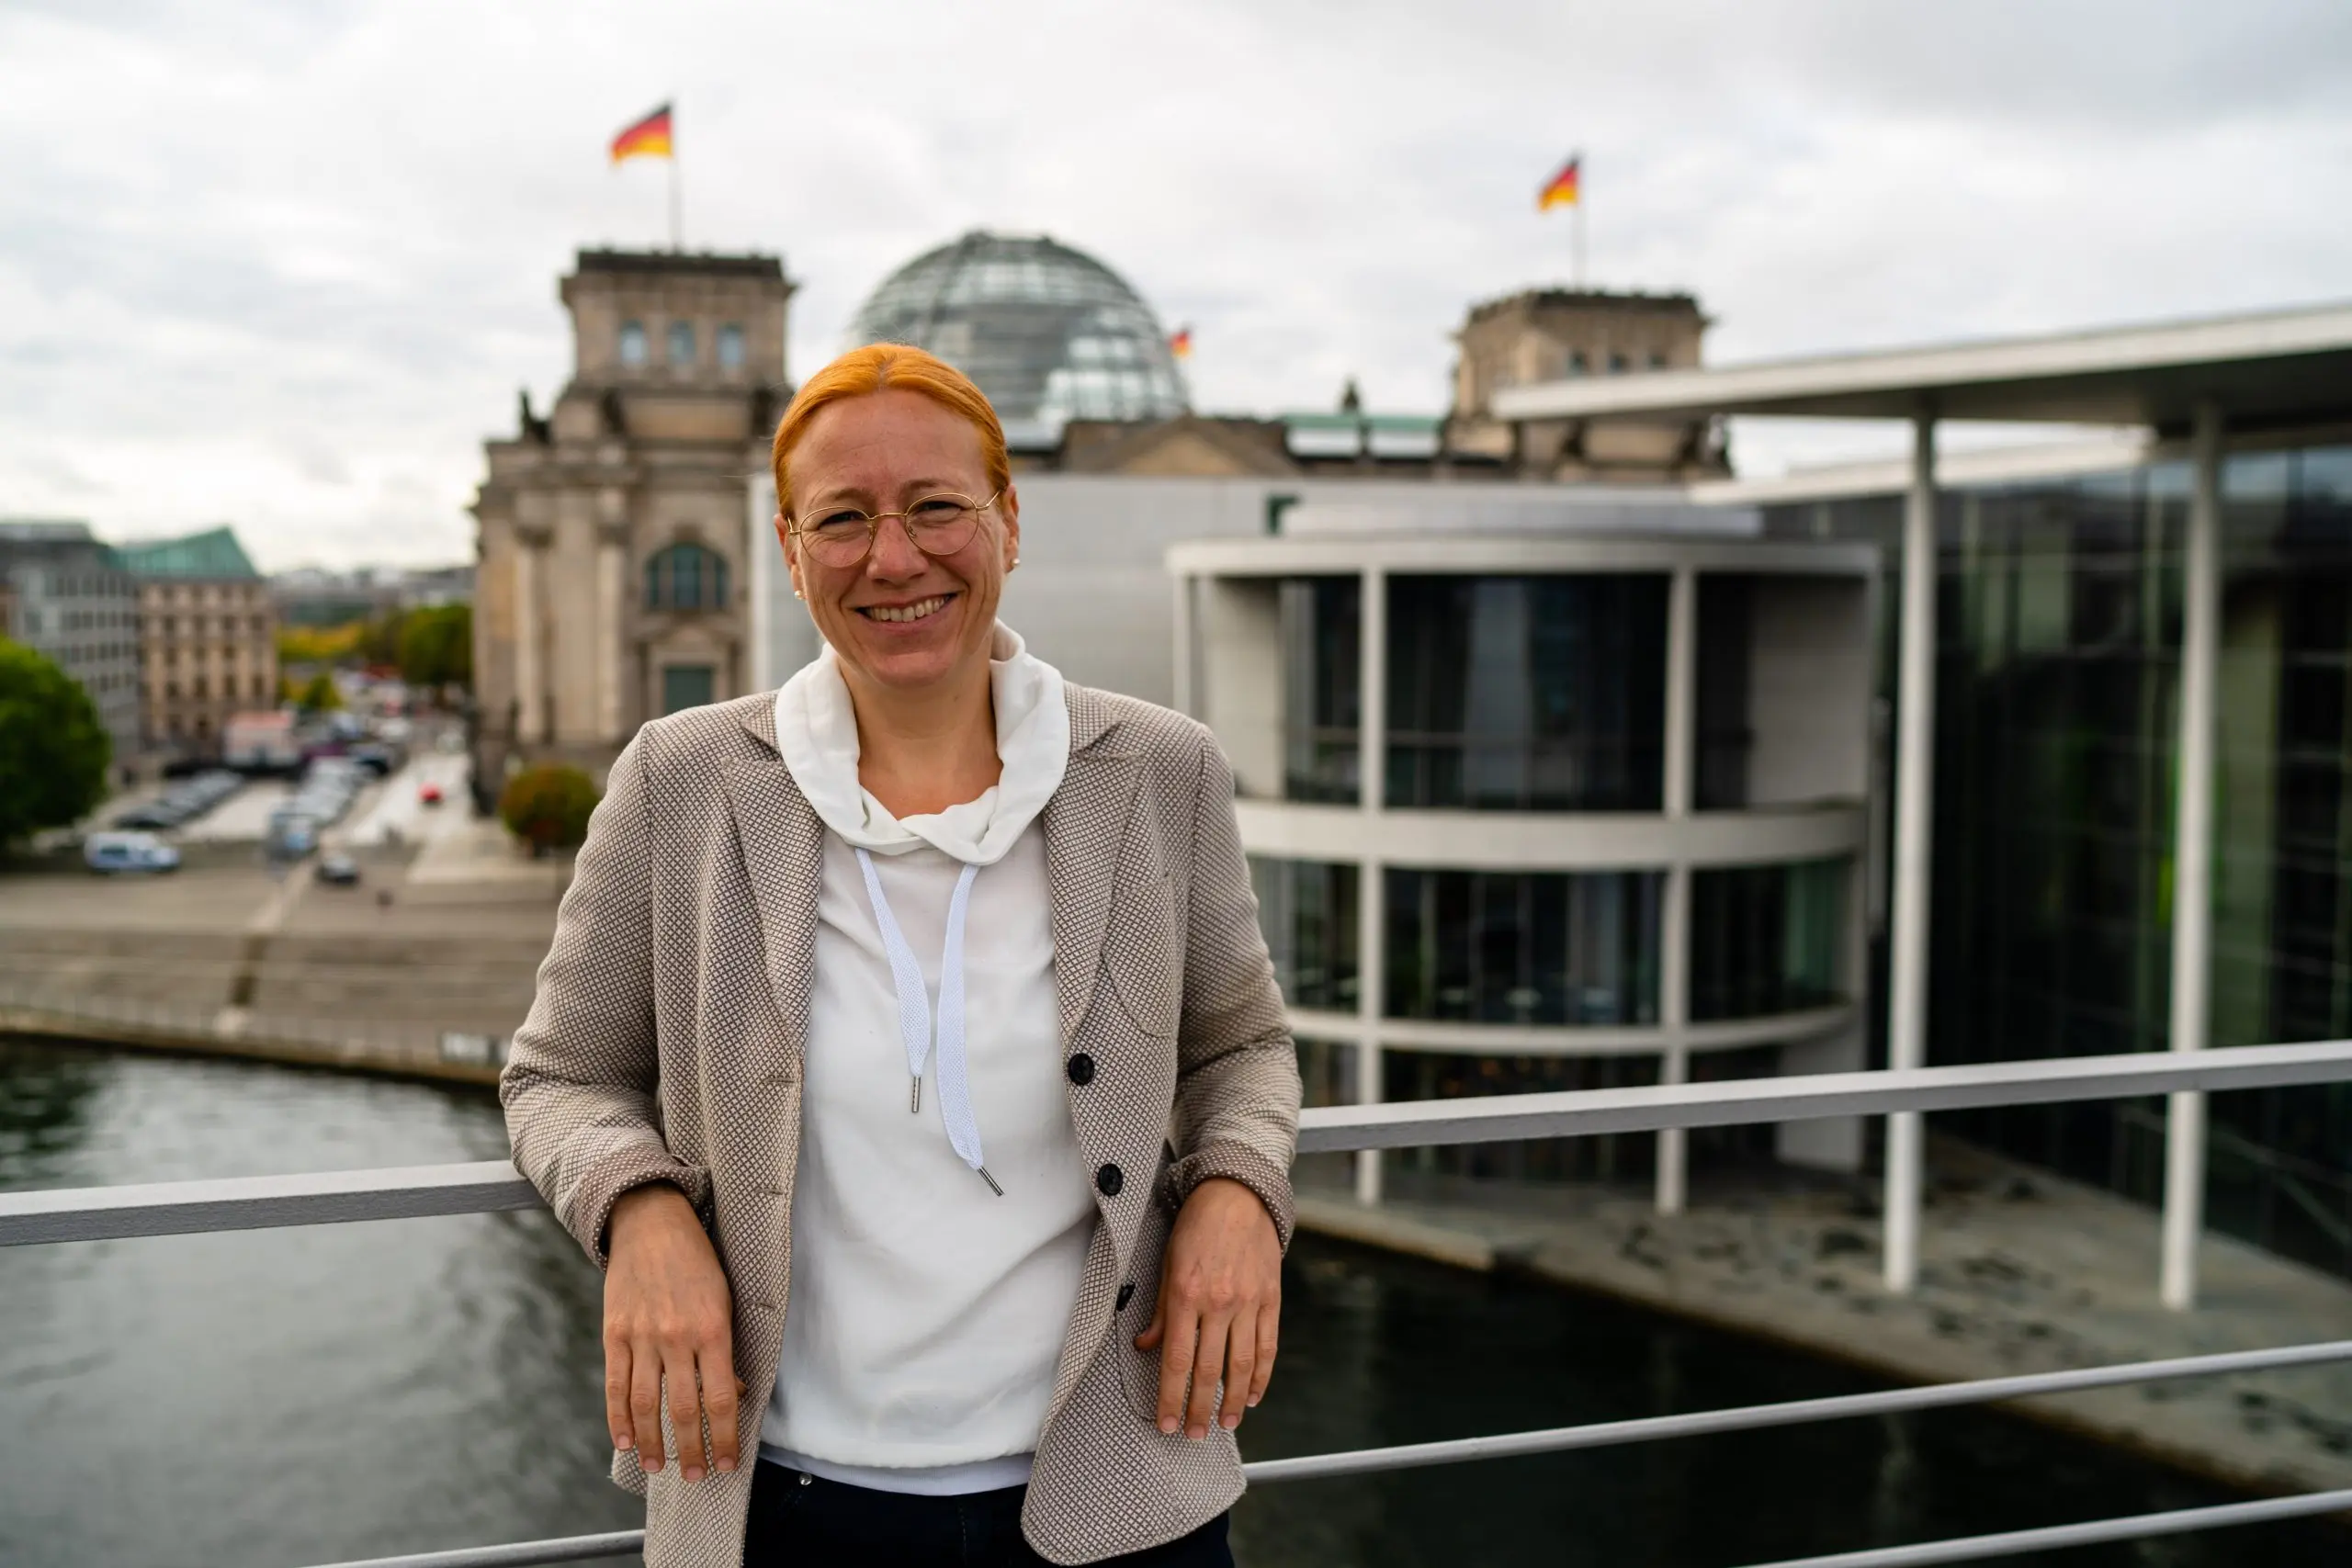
{"points": [[668, 1316]]}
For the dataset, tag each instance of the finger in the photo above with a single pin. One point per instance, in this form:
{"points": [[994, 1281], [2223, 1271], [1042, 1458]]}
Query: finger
{"points": [[1149, 1339], [616, 1415], [645, 1404], [685, 1413], [1240, 1367], [1175, 1367], [721, 1388], [1206, 1365], [1269, 1317]]}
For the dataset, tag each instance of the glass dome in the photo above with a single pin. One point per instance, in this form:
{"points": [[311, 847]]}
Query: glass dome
{"points": [[1050, 333]]}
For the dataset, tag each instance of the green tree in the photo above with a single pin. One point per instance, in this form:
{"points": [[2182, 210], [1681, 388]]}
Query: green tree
{"points": [[547, 807], [53, 751], [321, 696], [437, 647]]}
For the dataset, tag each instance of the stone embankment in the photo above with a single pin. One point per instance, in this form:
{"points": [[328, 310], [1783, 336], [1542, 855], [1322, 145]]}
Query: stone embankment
{"points": [[2021, 1272]]}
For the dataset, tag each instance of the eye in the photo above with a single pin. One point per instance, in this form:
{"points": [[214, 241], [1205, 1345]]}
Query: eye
{"points": [[839, 522], [940, 508]]}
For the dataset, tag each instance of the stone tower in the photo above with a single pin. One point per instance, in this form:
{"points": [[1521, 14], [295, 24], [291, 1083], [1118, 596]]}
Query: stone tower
{"points": [[615, 539], [1550, 335]]}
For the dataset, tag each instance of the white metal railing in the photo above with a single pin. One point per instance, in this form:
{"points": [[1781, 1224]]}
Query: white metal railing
{"points": [[245, 1204]]}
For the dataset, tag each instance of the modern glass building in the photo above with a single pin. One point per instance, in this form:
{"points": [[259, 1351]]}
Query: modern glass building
{"points": [[2058, 692], [2122, 672], [1050, 333], [1564, 805]]}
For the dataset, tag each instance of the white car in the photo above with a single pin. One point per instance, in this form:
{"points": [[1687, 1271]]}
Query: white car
{"points": [[109, 852]]}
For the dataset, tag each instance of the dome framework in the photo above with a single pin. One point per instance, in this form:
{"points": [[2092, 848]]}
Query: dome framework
{"points": [[1049, 332]]}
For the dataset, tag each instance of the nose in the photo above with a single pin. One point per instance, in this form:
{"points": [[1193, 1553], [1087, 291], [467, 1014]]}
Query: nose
{"points": [[894, 554]]}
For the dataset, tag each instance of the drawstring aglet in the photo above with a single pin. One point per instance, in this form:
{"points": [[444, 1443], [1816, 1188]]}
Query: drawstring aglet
{"points": [[914, 1093], [989, 1180]]}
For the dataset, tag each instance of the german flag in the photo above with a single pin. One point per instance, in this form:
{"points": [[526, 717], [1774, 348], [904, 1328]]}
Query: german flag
{"points": [[648, 138], [1181, 345], [1560, 192]]}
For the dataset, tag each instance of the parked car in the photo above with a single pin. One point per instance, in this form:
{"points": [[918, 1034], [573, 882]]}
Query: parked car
{"points": [[184, 802], [428, 795], [111, 853], [338, 871]]}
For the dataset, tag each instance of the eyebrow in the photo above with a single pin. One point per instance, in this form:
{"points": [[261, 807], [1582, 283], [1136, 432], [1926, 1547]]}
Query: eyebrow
{"points": [[918, 488]]}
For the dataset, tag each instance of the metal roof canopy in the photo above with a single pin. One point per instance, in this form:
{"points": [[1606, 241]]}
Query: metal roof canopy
{"points": [[2274, 367]]}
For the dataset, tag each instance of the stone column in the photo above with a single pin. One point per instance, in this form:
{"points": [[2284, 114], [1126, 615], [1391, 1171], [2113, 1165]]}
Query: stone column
{"points": [[612, 611], [531, 541]]}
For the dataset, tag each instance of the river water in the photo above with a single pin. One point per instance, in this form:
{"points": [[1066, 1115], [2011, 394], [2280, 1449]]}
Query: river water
{"points": [[276, 1399]]}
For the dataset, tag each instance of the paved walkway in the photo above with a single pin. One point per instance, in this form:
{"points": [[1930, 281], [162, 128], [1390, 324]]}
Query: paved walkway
{"points": [[2021, 1272]]}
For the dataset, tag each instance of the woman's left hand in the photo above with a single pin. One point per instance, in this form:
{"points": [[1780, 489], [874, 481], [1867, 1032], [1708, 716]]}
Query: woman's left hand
{"points": [[1220, 1306]]}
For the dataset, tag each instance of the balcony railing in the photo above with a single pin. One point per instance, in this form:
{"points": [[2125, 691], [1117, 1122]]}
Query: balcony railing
{"points": [[258, 1202]]}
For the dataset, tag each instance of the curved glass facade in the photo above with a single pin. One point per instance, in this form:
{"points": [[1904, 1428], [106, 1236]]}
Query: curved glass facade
{"points": [[1527, 693], [1049, 333], [1499, 947]]}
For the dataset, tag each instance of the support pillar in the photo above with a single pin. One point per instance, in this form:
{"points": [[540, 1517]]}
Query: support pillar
{"points": [[2192, 882], [1907, 1030], [1674, 913], [1372, 922], [530, 690], [612, 628]]}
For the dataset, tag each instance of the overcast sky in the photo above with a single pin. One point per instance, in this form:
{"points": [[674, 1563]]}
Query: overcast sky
{"points": [[287, 265]]}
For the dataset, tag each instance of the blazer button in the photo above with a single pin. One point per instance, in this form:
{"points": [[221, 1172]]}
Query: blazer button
{"points": [[1126, 1294], [1081, 1069], [1108, 1181]]}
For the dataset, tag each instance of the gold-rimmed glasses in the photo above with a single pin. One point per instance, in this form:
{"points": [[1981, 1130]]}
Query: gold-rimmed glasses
{"points": [[844, 535]]}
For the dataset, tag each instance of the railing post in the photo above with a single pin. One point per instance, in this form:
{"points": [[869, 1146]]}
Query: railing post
{"points": [[1372, 921], [1674, 913], [2192, 882], [1907, 1030]]}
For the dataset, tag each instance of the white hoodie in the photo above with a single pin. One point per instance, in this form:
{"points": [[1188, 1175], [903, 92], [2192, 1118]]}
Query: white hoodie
{"points": [[927, 1311]]}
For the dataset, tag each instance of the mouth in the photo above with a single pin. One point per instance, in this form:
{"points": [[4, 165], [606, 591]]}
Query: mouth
{"points": [[906, 614]]}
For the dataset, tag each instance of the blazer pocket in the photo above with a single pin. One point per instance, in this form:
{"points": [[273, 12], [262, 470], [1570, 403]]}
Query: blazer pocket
{"points": [[1139, 1370], [1141, 950]]}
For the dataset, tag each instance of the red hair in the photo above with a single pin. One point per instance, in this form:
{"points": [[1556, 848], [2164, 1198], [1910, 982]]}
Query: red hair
{"points": [[861, 373]]}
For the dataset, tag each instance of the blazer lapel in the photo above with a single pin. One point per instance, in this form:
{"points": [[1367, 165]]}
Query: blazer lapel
{"points": [[1084, 822], [783, 855]]}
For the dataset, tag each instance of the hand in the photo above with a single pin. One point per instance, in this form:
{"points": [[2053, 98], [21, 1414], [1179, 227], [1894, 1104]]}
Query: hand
{"points": [[1220, 1304], [668, 1313]]}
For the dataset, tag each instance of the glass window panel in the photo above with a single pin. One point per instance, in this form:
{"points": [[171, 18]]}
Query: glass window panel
{"points": [[632, 342], [686, 686], [682, 343], [731, 347], [1322, 668], [1307, 909], [1765, 939], [1494, 947], [1527, 693]]}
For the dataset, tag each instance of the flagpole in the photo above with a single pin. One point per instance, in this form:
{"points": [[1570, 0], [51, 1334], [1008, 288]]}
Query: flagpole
{"points": [[677, 231]]}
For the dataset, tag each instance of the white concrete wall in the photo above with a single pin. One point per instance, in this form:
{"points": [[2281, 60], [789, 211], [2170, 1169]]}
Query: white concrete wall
{"points": [[1808, 691]]}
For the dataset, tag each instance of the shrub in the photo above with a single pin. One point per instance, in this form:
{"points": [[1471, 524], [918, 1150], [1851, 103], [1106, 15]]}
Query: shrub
{"points": [[547, 807]]}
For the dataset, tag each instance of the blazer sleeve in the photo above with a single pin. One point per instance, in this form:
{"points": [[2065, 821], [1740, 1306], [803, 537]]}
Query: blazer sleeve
{"points": [[582, 1082], [1236, 1084]]}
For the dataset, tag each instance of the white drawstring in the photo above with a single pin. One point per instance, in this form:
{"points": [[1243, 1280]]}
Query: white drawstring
{"points": [[915, 1014]]}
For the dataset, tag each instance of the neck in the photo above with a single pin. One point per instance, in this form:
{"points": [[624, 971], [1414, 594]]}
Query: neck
{"points": [[923, 749]]}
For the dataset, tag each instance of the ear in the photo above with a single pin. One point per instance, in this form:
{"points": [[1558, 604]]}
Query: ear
{"points": [[791, 543], [1009, 508]]}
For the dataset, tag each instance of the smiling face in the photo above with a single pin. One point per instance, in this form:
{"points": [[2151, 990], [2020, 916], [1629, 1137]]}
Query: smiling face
{"points": [[900, 619]]}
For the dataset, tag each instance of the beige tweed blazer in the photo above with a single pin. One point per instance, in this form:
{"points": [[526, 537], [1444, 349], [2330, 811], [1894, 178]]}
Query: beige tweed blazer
{"points": [[664, 1045]]}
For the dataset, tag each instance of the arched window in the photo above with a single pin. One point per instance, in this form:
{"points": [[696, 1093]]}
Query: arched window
{"points": [[632, 344], [686, 576]]}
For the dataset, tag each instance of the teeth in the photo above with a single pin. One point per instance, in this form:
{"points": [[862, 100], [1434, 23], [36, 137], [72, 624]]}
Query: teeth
{"points": [[914, 612]]}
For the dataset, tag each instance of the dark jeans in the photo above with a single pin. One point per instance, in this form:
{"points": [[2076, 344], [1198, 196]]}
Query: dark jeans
{"points": [[804, 1521]]}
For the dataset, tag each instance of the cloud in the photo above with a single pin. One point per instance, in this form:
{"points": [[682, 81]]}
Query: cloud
{"points": [[258, 258]]}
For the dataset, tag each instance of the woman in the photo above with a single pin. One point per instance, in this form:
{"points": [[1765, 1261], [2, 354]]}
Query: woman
{"points": [[909, 1056]]}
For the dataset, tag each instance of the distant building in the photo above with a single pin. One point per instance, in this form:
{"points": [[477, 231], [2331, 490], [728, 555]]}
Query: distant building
{"points": [[208, 638], [1551, 335], [614, 544], [68, 596], [315, 596]]}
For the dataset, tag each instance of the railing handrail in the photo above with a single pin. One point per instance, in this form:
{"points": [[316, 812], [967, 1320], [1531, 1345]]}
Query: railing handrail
{"points": [[98, 1214], [485, 1186]]}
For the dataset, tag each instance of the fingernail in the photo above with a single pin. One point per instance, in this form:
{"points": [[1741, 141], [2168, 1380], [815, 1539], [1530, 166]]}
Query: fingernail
{"points": [[1167, 1425], [694, 1472], [727, 1466], [624, 1441], [1253, 1400]]}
